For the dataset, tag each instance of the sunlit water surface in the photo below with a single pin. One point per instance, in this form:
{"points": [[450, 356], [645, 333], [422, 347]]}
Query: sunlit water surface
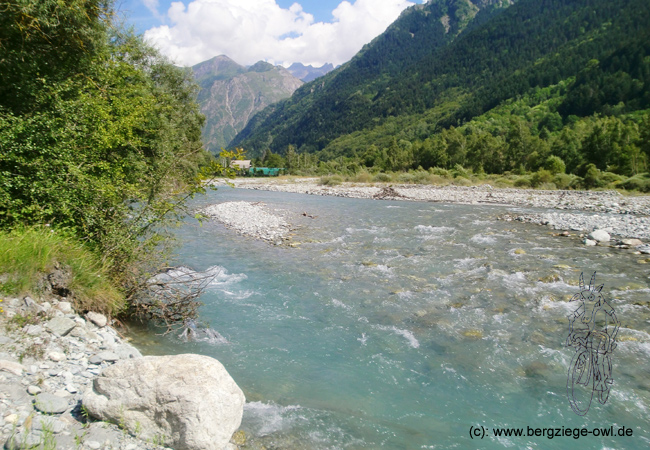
{"points": [[400, 325]]}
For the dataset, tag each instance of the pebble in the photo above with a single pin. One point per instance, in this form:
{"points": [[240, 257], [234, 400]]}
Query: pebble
{"points": [[98, 319], [34, 390], [64, 307], [60, 326], [57, 356], [11, 418], [50, 403]]}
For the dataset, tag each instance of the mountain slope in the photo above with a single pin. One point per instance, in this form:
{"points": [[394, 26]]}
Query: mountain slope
{"points": [[459, 57], [341, 101], [231, 94]]}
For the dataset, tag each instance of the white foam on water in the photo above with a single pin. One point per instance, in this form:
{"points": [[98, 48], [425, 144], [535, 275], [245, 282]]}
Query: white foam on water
{"points": [[267, 418], [465, 263], [371, 230], [481, 239], [431, 232], [412, 340], [340, 304], [363, 339], [222, 277], [405, 295]]}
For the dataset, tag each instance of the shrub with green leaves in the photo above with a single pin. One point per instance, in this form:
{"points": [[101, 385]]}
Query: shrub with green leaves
{"points": [[100, 134]]}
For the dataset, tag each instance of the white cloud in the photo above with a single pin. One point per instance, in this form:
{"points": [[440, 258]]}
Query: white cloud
{"points": [[152, 5], [252, 30]]}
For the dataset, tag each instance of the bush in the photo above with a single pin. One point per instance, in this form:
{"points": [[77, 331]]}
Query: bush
{"points": [[522, 182], [547, 186], [461, 181], [563, 180], [362, 177], [440, 172], [421, 177], [333, 180], [460, 171], [540, 177], [383, 178], [593, 177], [637, 183], [438, 180], [555, 165], [406, 178]]}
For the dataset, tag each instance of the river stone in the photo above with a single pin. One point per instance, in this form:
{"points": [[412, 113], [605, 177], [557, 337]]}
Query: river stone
{"points": [[125, 351], [189, 400], [97, 318], [22, 440], [60, 326], [645, 249], [50, 404], [64, 307], [589, 242], [57, 356], [599, 236], [11, 367], [33, 390]]}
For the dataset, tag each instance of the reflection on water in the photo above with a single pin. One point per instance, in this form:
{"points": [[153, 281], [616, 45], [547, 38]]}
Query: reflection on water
{"points": [[400, 325]]}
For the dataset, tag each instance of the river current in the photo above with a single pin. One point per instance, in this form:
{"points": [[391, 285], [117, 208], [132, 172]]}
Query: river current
{"points": [[402, 325]]}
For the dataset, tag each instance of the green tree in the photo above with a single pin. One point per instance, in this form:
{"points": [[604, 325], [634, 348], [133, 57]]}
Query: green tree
{"points": [[99, 133], [554, 165]]}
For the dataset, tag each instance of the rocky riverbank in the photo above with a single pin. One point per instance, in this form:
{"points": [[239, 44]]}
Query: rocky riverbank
{"points": [[50, 359], [253, 219], [621, 216]]}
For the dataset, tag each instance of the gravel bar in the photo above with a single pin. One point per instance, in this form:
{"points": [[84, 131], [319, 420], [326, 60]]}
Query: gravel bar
{"points": [[624, 216], [252, 219]]}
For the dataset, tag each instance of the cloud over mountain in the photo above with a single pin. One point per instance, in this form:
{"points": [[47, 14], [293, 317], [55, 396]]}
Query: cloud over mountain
{"points": [[253, 30]]}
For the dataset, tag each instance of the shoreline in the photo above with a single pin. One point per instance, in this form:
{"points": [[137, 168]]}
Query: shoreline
{"points": [[50, 358], [622, 216]]}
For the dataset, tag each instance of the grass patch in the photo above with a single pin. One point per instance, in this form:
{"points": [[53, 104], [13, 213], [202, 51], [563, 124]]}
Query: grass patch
{"points": [[28, 255]]}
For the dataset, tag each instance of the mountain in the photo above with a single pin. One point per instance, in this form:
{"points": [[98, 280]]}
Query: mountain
{"points": [[230, 94], [309, 73], [341, 101], [445, 63]]}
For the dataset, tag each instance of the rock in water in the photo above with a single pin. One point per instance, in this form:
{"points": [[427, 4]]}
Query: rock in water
{"points": [[189, 400], [599, 236]]}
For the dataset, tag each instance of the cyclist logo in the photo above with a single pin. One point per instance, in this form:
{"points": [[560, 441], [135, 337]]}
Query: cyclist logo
{"points": [[593, 333]]}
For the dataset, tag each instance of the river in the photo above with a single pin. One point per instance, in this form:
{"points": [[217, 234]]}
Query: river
{"points": [[402, 325]]}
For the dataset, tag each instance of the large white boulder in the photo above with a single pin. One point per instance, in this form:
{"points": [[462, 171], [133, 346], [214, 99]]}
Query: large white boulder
{"points": [[599, 236], [188, 401]]}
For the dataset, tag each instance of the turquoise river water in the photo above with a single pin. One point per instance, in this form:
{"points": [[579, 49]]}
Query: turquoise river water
{"points": [[402, 325]]}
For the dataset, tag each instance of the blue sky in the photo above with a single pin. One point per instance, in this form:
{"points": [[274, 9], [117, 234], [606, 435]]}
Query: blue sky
{"points": [[278, 31]]}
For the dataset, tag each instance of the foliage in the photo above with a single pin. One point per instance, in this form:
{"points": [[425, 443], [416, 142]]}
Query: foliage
{"points": [[554, 85], [100, 135]]}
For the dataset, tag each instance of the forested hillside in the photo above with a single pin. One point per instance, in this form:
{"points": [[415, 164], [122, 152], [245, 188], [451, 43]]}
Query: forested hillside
{"points": [[344, 100], [493, 89]]}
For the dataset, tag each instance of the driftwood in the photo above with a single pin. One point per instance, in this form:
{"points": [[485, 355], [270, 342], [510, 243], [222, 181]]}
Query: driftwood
{"points": [[170, 298], [388, 192]]}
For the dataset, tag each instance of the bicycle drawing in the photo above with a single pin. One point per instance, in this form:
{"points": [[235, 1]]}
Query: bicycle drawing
{"points": [[594, 326]]}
